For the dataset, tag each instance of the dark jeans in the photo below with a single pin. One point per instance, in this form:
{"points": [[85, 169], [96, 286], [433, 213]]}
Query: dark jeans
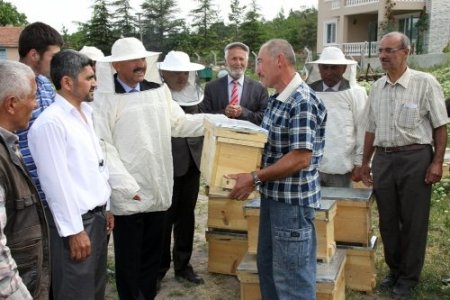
{"points": [[181, 218], [403, 201], [138, 245]]}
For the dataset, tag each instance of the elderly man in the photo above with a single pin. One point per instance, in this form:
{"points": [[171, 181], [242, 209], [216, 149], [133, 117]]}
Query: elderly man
{"points": [[407, 130], [24, 240], [136, 117], [180, 75], [70, 166], [345, 101], [235, 95], [289, 179]]}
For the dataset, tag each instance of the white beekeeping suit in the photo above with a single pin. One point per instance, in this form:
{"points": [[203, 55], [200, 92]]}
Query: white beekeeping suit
{"points": [[344, 133]]}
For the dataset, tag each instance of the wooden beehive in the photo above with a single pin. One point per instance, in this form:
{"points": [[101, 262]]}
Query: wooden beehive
{"points": [[225, 251], [330, 278], [251, 213], [352, 223], [225, 213], [324, 222], [230, 146], [360, 271]]}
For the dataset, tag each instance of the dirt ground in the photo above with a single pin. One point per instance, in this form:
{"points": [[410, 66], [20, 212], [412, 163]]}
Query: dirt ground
{"points": [[216, 286]]}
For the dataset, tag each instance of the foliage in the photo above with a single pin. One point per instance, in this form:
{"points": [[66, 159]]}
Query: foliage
{"points": [[422, 26], [236, 17], [388, 23], [10, 16], [446, 48], [160, 22], [204, 16], [442, 75], [253, 34], [124, 22]]}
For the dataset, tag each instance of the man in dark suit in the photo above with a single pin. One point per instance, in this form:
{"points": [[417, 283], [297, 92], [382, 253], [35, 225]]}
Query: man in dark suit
{"points": [[179, 74], [250, 98]]}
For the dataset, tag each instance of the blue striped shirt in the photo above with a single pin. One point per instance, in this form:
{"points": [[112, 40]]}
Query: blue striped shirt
{"points": [[45, 95], [295, 119]]}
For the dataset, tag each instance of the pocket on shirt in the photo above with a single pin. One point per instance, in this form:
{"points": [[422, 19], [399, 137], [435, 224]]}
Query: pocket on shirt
{"points": [[408, 115]]}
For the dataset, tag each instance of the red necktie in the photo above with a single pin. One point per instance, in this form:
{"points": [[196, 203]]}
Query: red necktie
{"points": [[234, 93]]}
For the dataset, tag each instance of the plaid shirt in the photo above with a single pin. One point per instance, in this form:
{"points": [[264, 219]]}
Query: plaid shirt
{"points": [[45, 95], [295, 119]]}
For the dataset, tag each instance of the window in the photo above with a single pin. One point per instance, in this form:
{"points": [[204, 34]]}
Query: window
{"points": [[330, 32], [3, 53], [408, 27]]}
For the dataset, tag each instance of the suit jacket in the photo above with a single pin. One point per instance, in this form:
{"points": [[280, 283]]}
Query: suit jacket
{"points": [[253, 99], [318, 85], [186, 151], [145, 85]]}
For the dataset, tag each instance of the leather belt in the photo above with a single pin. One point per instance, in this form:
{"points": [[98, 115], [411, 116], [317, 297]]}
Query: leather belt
{"points": [[411, 147], [96, 209]]}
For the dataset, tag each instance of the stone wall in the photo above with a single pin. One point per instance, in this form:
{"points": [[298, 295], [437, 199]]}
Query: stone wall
{"points": [[437, 37]]}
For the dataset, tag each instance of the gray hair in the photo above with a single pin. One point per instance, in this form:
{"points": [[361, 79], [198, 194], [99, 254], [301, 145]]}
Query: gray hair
{"points": [[67, 62], [277, 46], [404, 39], [13, 75], [236, 45]]}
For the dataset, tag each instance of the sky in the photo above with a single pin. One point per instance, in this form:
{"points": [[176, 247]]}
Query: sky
{"points": [[59, 13]]}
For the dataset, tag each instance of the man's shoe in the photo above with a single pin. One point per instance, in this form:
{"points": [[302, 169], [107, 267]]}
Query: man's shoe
{"points": [[402, 291], [389, 281], [189, 275]]}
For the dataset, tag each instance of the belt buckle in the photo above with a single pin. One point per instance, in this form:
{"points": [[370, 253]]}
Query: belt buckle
{"points": [[387, 149]]}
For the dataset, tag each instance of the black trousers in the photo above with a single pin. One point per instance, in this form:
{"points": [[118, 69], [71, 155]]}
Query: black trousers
{"points": [[138, 246], [403, 201], [181, 219], [80, 280]]}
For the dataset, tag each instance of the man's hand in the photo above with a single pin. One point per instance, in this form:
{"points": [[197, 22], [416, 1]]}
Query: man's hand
{"points": [[80, 246], [233, 111], [109, 222], [243, 187], [434, 173], [356, 174], [365, 175]]}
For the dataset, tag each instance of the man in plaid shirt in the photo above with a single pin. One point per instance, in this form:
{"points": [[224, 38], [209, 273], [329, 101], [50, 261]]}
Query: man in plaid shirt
{"points": [[289, 181]]}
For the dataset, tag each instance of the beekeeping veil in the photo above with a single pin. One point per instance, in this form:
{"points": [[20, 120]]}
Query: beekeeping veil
{"points": [[177, 61]]}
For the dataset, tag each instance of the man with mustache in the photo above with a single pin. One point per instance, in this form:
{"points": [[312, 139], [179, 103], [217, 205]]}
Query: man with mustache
{"points": [[71, 167], [236, 95], [406, 128], [136, 116]]}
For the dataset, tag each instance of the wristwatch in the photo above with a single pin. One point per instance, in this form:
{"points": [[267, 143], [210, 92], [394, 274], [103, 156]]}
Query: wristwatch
{"points": [[256, 181]]}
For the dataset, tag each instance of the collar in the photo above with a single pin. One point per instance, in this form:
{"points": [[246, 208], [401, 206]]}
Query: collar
{"points": [[9, 137], [403, 80], [69, 108], [335, 88], [240, 80], [290, 88], [128, 88]]}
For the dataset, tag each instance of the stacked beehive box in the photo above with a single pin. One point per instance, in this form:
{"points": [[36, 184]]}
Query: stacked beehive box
{"points": [[229, 147], [330, 279], [353, 232]]}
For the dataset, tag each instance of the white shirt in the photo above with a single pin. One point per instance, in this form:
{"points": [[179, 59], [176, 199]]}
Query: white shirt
{"points": [[70, 163]]}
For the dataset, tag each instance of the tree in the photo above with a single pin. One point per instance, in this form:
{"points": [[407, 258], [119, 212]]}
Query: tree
{"points": [[252, 30], [10, 16], [98, 31], [204, 16], [124, 22], [161, 22], [236, 17]]}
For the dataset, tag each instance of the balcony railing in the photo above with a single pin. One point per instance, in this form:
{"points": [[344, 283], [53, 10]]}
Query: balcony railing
{"points": [[359, 2], [363, 2], [360, 49]]}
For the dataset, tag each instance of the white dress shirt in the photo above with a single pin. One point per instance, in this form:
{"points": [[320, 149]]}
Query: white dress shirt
{"points": [[70, 163]]}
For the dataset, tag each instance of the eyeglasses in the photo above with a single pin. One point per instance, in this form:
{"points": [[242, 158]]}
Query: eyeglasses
{"points": [[389, 50]]}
